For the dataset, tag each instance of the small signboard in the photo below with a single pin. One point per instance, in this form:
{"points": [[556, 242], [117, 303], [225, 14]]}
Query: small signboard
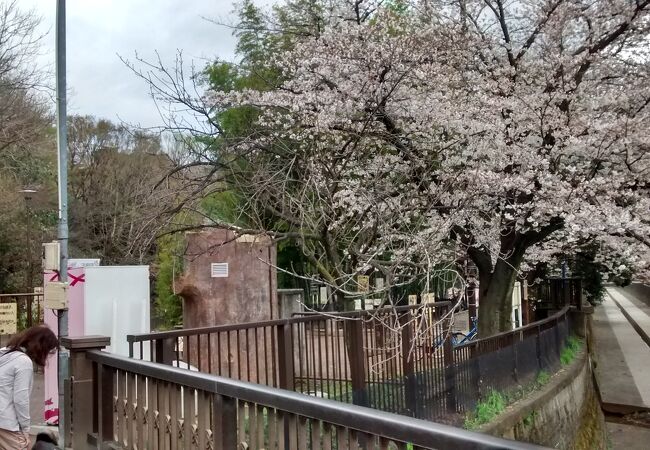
{"points": [[363, 282], [8, 318], [75, 263]]}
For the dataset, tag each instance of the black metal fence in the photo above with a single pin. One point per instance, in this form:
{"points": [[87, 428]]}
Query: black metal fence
{"points": [[508, 360]]}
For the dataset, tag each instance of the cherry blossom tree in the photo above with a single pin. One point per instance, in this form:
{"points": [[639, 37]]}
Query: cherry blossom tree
{"points": [[394, 135], [510, 126]]}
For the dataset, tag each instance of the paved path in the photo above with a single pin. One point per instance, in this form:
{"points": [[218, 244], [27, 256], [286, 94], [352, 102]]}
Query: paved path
{"points": [[622, 355], [621, 331]]}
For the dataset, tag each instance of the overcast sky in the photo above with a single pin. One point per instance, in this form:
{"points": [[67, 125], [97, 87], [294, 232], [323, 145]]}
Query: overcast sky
{"points": [[100, 30]]}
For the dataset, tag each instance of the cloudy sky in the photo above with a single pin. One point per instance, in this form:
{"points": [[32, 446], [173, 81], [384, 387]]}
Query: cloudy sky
{"points": [[100, 30]]}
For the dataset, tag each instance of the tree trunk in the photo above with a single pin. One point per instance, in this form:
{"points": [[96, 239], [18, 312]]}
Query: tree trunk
{"points": [[495, 300]]}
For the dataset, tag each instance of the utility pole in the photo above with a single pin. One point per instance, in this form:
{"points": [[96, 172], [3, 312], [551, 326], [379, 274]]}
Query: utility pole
{"points": [[62, 148]]}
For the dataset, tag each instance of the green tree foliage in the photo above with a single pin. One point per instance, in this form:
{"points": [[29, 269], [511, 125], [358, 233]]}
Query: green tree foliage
{"points": [[257, 43], [168, 264]]}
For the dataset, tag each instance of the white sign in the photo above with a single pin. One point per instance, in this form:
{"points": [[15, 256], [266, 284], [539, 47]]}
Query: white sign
{"points": [[76, 263], [8, 318], [219, 270]]}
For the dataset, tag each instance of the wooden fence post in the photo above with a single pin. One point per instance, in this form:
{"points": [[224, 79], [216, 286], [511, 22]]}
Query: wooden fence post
{"points": [[286, 378], [354, 346], [286, 369], [103, 421], [163, 351], [225, 422], [84, 412], [538, 348]]}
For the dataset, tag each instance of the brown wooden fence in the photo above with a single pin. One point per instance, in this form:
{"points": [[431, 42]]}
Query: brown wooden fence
{"points": [[126, 403]]}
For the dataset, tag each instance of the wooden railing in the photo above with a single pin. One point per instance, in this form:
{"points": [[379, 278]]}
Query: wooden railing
{"points": [[399, 360], [120, 402], [368, 358]]}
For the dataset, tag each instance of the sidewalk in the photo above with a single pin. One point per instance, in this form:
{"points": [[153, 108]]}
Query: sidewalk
{"points": [[621, 330], [622, 356]]}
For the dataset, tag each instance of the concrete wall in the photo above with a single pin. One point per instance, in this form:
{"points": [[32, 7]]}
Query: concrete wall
{"points": [[248, 293], [564, 414], [290, 301]]}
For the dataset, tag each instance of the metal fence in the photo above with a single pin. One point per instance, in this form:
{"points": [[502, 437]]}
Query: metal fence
{"points": [[506, 361], [553, 294], [121, 402], [357, 357], [398, 360]]}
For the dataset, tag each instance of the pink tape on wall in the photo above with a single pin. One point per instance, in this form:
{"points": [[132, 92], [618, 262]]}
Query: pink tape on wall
{"points": [[76, 279]]}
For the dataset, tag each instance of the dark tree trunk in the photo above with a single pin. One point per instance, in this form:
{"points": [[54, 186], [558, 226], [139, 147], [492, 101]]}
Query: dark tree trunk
{"points": [[496, 283], [495, 299]]}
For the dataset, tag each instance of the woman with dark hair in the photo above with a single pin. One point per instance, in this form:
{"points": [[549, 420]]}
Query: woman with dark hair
{"points": [[16, 374]]}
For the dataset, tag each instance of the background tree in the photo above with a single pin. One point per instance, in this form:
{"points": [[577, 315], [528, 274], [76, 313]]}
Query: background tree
{"points": [[26, 161], [116, 214]]}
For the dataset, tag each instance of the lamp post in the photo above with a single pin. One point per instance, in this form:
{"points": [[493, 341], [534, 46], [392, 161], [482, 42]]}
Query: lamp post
{"points": [[62, 150]]}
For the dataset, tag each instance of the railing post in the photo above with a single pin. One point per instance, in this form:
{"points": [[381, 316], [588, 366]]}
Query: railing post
{"points": [[82, 381], [558, 341], [354, 346], [286, 369], [163, 351], [450, 367], [103, 422], [578, 293], [286, 375], [225, 422]]}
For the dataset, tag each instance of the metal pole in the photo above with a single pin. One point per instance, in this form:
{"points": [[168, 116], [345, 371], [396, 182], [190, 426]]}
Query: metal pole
{"points": [[62, 148]]}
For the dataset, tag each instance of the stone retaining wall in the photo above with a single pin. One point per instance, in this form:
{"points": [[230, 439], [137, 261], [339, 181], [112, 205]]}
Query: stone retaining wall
{"points": [[564, 414]]}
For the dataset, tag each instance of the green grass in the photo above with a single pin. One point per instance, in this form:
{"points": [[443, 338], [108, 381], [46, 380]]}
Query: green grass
{"points": [[542, 378], [486, 410], [530, 418], [570, 351]]}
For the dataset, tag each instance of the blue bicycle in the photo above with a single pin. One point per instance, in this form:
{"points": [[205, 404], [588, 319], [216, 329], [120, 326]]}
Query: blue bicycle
{"points": [[458, 338]]}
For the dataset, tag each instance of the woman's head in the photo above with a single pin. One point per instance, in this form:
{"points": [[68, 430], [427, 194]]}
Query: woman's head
{"points": [[37, 342]]}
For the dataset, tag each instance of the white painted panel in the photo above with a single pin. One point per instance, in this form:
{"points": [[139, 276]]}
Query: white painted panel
{"points": [[117, 304]]}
